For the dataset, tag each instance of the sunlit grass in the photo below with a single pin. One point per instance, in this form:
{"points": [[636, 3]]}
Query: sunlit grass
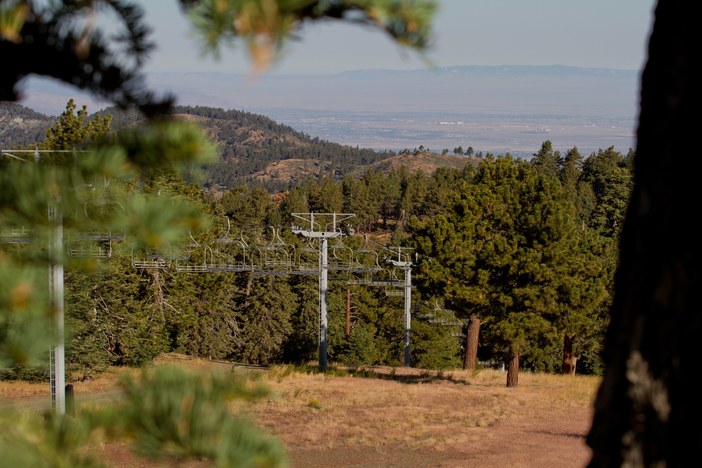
{"points": [[381, 405], [368, 406]]}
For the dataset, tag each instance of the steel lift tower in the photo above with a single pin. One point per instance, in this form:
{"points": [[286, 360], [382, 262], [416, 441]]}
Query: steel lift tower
{"points": [[403, 263], [322, 226]]}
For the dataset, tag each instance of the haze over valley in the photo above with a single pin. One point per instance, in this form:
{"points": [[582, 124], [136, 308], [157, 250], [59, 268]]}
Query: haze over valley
{"points": [[496, 109]]}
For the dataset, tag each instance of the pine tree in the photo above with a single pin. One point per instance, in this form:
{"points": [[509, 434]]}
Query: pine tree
{"points": [[265, 320], [57, 39], [73, 130]]}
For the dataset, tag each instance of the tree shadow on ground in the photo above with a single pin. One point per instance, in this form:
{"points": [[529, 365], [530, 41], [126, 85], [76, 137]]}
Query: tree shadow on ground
{"points": [[406, 375]]}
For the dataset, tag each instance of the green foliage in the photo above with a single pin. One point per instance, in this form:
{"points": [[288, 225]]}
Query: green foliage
{"points": [[173, 415], [434, 346], [507, 247], [266, 26], [199, 317], [359, 348], [302, 343], [72, 130], [326, 197], [252, 206], [547, 161], [25, 319], [168, 414], [265, 316], [36, 440], [610, 179]]}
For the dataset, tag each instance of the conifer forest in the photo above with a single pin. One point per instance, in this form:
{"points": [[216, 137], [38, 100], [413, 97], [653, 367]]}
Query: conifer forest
{"points": [[509, 259]]}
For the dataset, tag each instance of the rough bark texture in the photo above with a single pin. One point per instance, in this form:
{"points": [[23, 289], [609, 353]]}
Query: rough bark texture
{"points": [[470, 360], [569, 359], [513, 368], [648, 408]]}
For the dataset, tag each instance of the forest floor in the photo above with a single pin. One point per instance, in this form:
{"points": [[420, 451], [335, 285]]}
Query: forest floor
{"points": [[388, 417]]}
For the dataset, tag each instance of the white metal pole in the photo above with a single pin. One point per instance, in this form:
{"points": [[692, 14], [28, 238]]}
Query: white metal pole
{"points": [[56, 278], [408, 313], [323, 289]]}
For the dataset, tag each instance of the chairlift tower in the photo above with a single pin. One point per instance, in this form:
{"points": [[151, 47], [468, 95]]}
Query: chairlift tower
{"points": [[56, 296], [403, 262], [57, 357], [322, 226]]}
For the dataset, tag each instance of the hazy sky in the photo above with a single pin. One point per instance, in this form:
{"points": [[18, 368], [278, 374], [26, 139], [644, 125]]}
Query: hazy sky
{"points": [[593, 33]]}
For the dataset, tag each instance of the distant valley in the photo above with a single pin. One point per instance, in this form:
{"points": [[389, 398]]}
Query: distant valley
{"points": [[253, 148], [494, 109]]}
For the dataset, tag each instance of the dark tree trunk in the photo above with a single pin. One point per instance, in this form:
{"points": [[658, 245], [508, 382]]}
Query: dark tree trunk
{"points": [[648, 407], [348, 312], [513, 367], [470, 360], [158, 292], [569, 359], [249, 285]]}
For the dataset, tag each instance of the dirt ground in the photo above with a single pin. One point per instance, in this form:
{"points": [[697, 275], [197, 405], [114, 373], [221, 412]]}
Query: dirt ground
{"points": [[415, 420], [557, 442], [535, 435]]}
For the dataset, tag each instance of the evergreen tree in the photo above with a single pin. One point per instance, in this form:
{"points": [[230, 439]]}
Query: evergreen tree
{"points": [[360, 200], [295, 201], [61, 40], [500, 254], [547, 161], [265, 320], [303, 341], [440, 192], [73, 130], [200, 321], [608, 175], [413, 191], [390, 198], [571, 170], [327, 197]]}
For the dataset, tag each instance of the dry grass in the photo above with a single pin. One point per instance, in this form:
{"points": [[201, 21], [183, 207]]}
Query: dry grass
{"points": [[385, 406], [382, 408], [14, 390]]}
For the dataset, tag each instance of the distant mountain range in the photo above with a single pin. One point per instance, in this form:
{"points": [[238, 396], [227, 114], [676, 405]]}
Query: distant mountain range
{"points": [[510, 108]]}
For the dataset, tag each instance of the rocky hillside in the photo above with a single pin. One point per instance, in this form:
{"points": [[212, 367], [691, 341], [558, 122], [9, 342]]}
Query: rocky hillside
{"points": [[21, 126]]}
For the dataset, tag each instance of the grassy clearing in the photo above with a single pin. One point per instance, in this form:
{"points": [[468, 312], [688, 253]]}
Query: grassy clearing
{"points": [[384, 406], [371, 406]]}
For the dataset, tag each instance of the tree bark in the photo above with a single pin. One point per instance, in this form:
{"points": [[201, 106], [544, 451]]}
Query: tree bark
{"points": [[470, 360], [249, 284], [158, 292], [513, 367], [569, 358], [348, 312], [648, 407]]}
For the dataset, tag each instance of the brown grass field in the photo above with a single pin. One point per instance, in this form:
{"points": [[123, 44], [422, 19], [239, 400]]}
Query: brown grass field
{"points": [[385, 417]]}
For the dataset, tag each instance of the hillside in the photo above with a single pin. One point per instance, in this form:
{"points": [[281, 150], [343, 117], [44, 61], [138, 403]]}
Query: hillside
{"points": [[253, 148], [21, 126], [426, 162]]}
